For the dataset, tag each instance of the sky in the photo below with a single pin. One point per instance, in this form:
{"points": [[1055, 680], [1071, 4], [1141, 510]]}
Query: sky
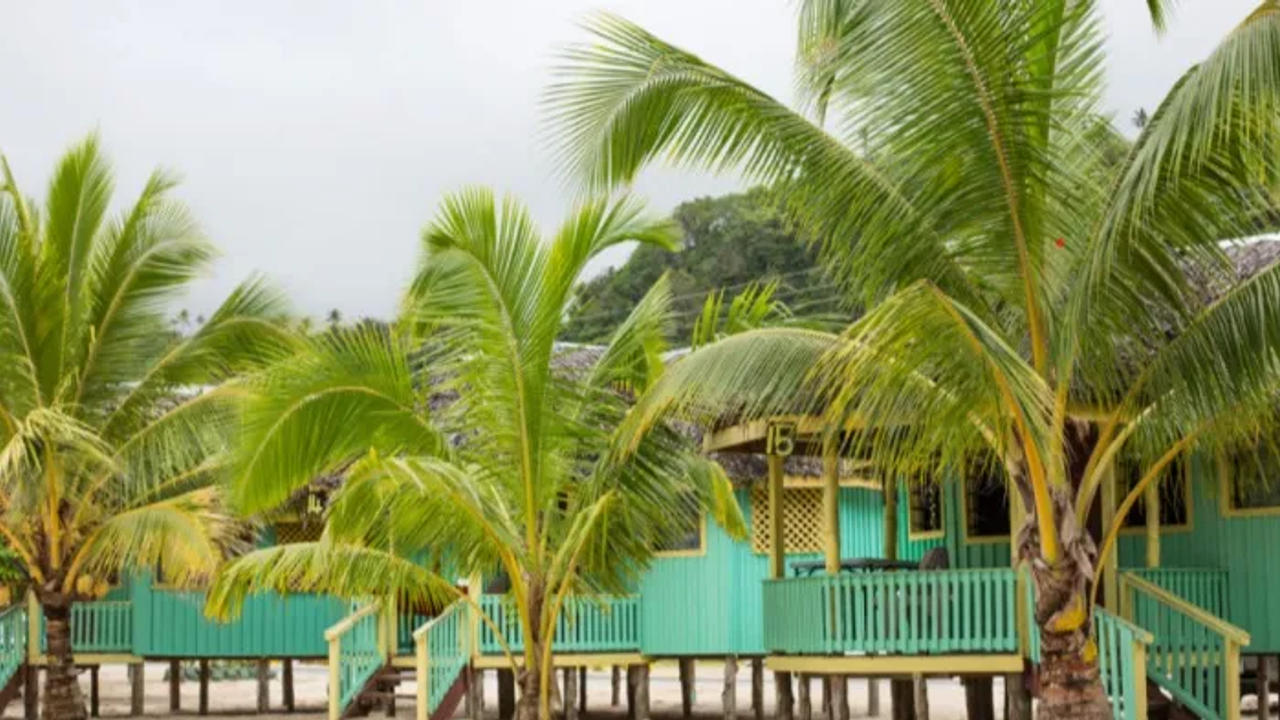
{"points": [[315, 137]]}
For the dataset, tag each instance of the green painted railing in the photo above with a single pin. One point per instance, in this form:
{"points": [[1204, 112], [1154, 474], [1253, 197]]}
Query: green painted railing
{"points": [[1122, 653], [1195, 655], [1030, 627], [101, 626], [442, 648], [585, 624], [407, 621], [13, 642], [1202, 587], [916, 612], [356, 652]]}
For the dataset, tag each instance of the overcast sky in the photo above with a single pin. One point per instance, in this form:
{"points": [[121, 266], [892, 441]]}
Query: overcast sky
{"points": [[315, 136]]}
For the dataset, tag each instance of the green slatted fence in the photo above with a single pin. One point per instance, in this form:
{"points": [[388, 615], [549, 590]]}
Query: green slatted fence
{"points": [[1122, 652], [585, 624], [356, 652], [442, 648], [13, 642]]}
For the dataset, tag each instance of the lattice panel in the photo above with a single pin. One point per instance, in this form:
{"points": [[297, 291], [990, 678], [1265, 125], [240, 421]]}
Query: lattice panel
{"points": [[292, 532], [801, 519]]}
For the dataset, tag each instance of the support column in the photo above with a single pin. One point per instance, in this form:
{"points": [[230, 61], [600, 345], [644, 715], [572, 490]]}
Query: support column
{"points": [[638, 687], [1017, 697], [286, 681], [900, 691], [805, 710], [31, 691], [785, 700], [264, 693], [757, 688], [777, 559], [686, 670], [1151, 498], [920, 688], [729, 696], [1110, 569], [570, 693], [839, 700], [506, 694], [136, 684], [582, 692], [204, 686], [615, 679], [1263, 689], [175, 685], [93, 691], [873, 697], [831, 502], [978, 702]]}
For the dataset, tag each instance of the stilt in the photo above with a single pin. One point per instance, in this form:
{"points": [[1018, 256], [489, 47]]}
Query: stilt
{"points": [[729, 697], [920, 687], [631, 692], [570, 693], [582, 691], [685, 668], [264, 696], [1017, 698], [475, 693], [785, 701], [615, 691], [506, 694], [839, 709], [93, 691], [903, 700], [136, 681], [31, 692], [805, 703], [757, 688], [642, 692], [175, 685], [204, 686], [825, 684], [873, 697], [977, 698], [286, 682], [1265, 679]]}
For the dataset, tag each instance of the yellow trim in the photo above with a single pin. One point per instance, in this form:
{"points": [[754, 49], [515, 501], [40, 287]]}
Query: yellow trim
{"points": [[699, 551], [1226, 481], [1231, 632], [914, 535], [488, 662], [883, 665], [808, 427], [93, 659], [814, 481], [1186, 527], [965, 537]]}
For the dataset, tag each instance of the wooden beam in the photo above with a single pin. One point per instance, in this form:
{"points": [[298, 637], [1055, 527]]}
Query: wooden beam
{"points": [[506, 693], [729, 696], [561, 660], [94, 709], [204, 686], [685, 668], [1110, 578], [615, 677], [570, 693], [1151, 497], [839, 700], [890, 518], [757, 688], [882, 665], [175, 685], [582, 692], [785, 700], [777, 550], [831, 503], [264, 690], [804, 702], [286, 681], [31, 690], [137, 680]]}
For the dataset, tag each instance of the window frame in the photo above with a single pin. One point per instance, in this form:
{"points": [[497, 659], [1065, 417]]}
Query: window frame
{"points": [[970, 539], [941, 532], [1227, 483], [689, 552], [1123, 491]]}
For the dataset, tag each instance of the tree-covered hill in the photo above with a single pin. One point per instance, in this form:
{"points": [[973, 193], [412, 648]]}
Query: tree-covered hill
{"points": [[728, 242]]}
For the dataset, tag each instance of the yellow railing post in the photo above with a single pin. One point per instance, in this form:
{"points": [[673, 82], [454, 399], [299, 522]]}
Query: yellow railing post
{"points": [[421, 669], [1231, 688], [1140, 679], [335, 687], [33, 627]]}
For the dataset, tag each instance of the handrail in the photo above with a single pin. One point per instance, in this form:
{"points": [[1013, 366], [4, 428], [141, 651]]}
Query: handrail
{"points": [[13, 641], [1139, 634], [1195, 612], [1204, 587], [585, 624], [352, 663], [345, 624], [441, 649], [1122, 663]]}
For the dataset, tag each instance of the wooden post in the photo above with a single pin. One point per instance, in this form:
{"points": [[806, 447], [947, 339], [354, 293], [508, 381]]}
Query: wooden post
{"points": [[757, 688], [978, 701], [93, 691], [1151, 498], [729, 696], [826, 696], [785, 700], [286, 682], [31, 690], [582, 692], [806, 705], [175, 685], [831, 502], [777, 550], [570, 693], [685, 668], [1263, 686], [640, 690], [1018, 698], [422, 674], [631, 692], [264, 692], [920, 689], [204, 687], [136, 687], [506, 694], [873, 697], [1110, 570], [839, 701], [615, 681], [1231, 668], [335, 678]]}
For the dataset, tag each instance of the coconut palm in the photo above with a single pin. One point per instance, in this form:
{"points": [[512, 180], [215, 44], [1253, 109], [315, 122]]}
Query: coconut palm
{"points": [[112, 428], [1030, 290], [470, 443]]}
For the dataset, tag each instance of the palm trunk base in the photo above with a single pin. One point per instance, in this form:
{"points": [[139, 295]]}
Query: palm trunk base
{"points": [[62, 697]]}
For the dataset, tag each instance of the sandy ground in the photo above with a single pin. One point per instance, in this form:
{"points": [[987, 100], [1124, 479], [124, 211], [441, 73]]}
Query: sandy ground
{"points": [[238, 698]]}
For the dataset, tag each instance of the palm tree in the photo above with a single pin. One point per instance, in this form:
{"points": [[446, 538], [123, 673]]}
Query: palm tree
{"points": [[112, 429], [1029, 290], [334, 318], [469, 442]]}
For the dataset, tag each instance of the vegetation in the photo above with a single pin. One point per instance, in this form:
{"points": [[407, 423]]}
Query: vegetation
{"points": [[113, 428], [1031, 292], [728, 241], [470, 444]]}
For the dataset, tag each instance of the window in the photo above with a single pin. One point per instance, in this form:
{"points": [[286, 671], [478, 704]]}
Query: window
{"points": [[1175, 509], [925, 497], [1255, 479], [690, 536], [986, 500]]}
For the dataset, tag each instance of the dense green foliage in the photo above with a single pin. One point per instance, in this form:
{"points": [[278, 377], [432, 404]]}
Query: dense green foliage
{"points": [[726, 242]]}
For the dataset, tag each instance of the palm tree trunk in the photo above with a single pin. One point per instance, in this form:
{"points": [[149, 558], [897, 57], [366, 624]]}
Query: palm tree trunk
{"points": [[62, 697], [1070, 684]]}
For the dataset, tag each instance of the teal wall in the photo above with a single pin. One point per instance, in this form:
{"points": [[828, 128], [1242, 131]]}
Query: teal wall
{"points": [[710, 604], [1247, 547]]}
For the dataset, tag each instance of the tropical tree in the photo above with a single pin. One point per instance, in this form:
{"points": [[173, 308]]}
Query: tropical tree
{"points": [[113, 428], [1031, 291], [470, 443]]}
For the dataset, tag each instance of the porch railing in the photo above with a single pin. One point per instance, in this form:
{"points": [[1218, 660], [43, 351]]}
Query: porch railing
{"points": [[933, 611], [1195, 655], [585, 624], [13, 641], [1122, 660], [1203, 587], [442, 648], [357, 650], [100, 626]]}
